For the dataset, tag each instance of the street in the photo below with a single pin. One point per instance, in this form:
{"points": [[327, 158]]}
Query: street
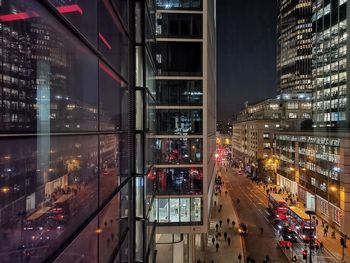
{"points": [[252, 210]]}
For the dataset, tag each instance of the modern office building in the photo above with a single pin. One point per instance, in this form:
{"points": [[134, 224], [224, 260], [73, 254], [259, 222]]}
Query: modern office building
{"points": [[184, 144], [330, 41], [71, 178], [294, 33], [315, 166]]}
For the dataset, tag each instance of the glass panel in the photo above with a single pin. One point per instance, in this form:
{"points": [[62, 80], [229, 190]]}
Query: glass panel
{"points": [[177, 150], [83, 247], [167, 181], [170, 63], [112, 227], [113, 42], [196, 209], [49, 180], [179, 25], [174, 210], [50, 78], [113, 101], [163, 210], [185, 209], [179, 121], [110, 164], [82, 14], [179, 4]]}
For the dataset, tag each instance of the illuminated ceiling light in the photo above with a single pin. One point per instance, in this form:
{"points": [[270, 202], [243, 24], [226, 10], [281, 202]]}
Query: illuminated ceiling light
{"points": [[104, 41], [69, 9], [18, 16]]}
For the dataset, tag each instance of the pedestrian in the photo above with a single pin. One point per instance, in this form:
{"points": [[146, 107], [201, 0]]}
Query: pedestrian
{"points": [[225, 235], [325, 232], [226, 193], [327, 227], [219, 210], [267, 258], [220, 206], [217, 227], [321, 246], [213, 240], [228, 221], [333, 234], [217, 247], [239, 257], [229, 241], [233, 223], [220, 222]]}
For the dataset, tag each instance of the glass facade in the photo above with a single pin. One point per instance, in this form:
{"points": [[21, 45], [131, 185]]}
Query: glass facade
{"points": [[177, 146], [294, 47], [330, 63], [67, 184]]}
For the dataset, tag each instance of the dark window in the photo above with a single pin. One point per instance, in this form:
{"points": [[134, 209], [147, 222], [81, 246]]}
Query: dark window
{"points": [[179, 25], [170, 62]]}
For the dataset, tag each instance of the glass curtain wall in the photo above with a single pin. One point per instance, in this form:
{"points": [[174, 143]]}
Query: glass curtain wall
{"points": [[64, 120]]}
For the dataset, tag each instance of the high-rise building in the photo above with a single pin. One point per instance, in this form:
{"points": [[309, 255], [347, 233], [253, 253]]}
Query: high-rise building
{"points": [[184, 144], [72, 152], [330, 63], [294, 31]]}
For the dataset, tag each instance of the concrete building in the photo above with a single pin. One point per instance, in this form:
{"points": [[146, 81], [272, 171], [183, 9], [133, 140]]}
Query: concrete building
{"points": [[255, 127], [184, 143]]}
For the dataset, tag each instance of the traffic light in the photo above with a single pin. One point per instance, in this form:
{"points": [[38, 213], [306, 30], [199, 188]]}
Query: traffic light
{"points": [[304, 254]]}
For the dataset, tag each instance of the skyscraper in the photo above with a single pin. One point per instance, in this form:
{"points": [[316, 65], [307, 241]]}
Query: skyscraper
{"points": [[330, 19], [294, 30], [184, 145]]}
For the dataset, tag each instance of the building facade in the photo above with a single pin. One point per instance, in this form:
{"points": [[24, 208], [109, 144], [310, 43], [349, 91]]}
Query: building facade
{"points": [[255, 127], [294, 47], [71, 183], [315, 166], [184, 144], [330, 44]]}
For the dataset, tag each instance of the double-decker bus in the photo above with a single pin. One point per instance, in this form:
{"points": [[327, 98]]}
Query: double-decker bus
{"points": [[300, 223], [278, 206]]}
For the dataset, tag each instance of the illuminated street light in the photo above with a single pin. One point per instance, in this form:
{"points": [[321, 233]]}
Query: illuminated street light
{"points": [[333, 188]]}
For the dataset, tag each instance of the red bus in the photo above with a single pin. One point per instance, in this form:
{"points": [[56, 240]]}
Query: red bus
{"points": [[278, 206], [300, 224]]}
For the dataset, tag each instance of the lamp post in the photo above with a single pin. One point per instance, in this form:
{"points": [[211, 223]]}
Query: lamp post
{"points": [[310, 213]]}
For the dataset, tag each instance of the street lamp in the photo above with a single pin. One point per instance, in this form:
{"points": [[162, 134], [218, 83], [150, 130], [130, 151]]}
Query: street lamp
{"points": [[310, 213]]}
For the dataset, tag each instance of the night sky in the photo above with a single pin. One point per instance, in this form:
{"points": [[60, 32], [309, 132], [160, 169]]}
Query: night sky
{"points": [[246, 53]]}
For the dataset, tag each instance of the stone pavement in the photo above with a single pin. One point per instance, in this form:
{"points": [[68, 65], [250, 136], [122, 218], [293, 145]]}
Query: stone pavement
{"points": [[226, 253], [330, 244]]}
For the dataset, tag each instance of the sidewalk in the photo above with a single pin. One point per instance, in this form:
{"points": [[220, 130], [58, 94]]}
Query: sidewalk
{"points": [[226, 253], [330, 244]]}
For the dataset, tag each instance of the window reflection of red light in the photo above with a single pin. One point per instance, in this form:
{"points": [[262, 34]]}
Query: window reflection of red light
{"points": [[18, 16], [69, 9], [109, 72], [26, 15], [104, 41]]}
